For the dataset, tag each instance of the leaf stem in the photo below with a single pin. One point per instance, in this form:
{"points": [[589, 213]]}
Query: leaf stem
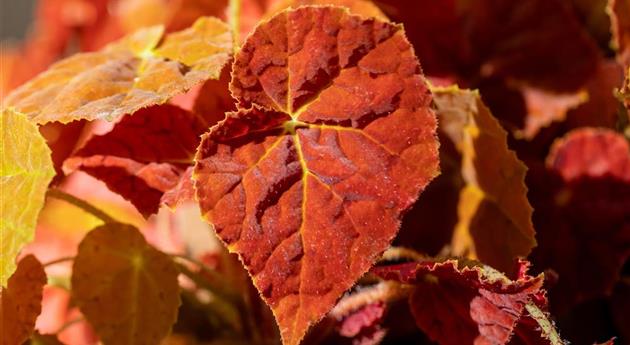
{"points": [[58, 261], [82, 204], [234, 14]]}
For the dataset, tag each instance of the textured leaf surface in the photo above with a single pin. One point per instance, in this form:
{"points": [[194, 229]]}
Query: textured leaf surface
{"points": [[143, 69], [464, 305], [22, 301], [126, 289], [582, 202], [26, 170], [494, 214], [333, 140], [144, 156]]}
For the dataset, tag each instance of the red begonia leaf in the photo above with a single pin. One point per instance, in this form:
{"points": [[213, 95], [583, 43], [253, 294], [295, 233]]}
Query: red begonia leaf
{"points": [[144, 155], [455, 303], [333, 140], [538, 42], [21, 301], [582, 208]]}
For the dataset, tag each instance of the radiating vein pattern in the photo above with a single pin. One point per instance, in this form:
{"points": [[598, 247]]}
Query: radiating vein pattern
{"points": [[140, 70], [333, 140]]}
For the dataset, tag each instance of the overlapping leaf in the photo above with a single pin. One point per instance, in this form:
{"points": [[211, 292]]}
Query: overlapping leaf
{"points": [[538, 42], [144, 155], [143, 69], [494, 214], [582, 205], [21, 301], [25, 172], [456, 303], [126, 289], [333, 140]]}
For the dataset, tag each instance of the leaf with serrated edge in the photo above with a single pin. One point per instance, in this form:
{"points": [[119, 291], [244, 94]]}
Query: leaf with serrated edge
{"points": [[21, 301], [140, 70], [333, 140], [461, 303], [127, 290], [26, 169], [144, 155], [494, 215]]}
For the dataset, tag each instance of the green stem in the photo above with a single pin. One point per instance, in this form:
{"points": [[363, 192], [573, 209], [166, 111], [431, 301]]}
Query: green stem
{"points": [[234, 14], [82, 204]]}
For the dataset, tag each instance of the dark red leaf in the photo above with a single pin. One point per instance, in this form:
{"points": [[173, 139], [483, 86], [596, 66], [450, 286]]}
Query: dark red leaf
{"points": [[582, 214], [457, 304], [144, 155]]}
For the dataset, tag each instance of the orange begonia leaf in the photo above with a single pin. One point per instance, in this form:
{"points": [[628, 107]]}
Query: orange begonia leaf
{"points": [[140, 70], [456, 303], [26, 170], [127, 290], [144, 155], [333, 141], [582, 203], [21, 301], [619, 11], [495, 223]]}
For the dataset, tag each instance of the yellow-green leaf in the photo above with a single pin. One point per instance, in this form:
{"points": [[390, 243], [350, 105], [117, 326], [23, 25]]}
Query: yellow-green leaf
{"points": [[126, 289], [495, 223], [140, 70], [26, 169]]}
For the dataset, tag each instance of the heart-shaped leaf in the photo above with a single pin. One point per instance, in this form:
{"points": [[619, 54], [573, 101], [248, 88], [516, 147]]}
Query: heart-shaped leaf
{"points": [[126, 289], [334, 139]]}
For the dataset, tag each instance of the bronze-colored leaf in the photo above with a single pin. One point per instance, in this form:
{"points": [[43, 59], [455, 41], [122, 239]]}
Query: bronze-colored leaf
{"points": [[126, 289], [495, 223]]}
